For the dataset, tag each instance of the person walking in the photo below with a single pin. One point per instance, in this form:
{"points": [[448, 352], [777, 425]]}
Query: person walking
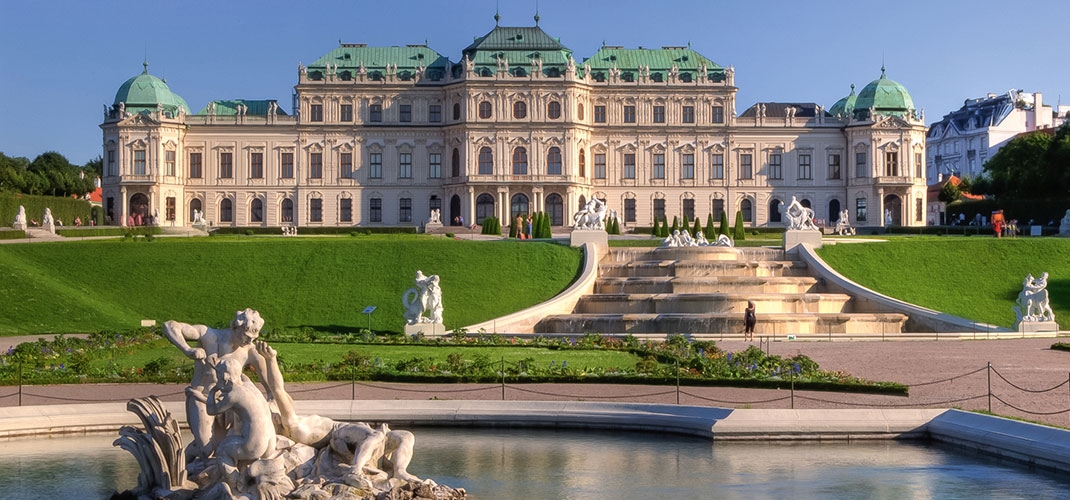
{"points": [[749, 320]]}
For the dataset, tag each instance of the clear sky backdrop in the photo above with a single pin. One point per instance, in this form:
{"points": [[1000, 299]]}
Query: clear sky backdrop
{"points": [[61, 61]]}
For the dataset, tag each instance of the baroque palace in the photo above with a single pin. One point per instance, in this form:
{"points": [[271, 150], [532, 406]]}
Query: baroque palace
{"points": [[381, 136]]}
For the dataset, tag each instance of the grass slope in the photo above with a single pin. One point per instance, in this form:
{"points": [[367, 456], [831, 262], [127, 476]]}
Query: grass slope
{"points": [[323, 283], [975, 278]]}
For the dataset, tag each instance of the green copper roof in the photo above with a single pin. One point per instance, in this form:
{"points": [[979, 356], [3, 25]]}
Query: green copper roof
{"points": [[519, 46], [846, 106], [143, 92], [659, 61], [350, 57], [229, 107], [884, 95]]}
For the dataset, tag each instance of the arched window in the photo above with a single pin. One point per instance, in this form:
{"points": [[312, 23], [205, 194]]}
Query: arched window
{"points": [[774, 211], [747, 208], [556, 208], [518, 206], [226, 210], [485, 110], [579, 111], [456, 111], [520, 110], [287, 210], [486, 161], [455, 163], [484, 207], [256, 210], [455, 211], [834, 211], [520, 161], [553, 161], [583, 164], [194, 209], [553, 110]]}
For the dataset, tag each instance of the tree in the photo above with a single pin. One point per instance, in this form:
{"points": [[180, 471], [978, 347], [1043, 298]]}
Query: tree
{"points": [[1017, 169], [698, 227], [738, 233], [710, 235], [491, 225], [950, 192], [675, 224], [724, 224], [656, 230], [1057, 162]]}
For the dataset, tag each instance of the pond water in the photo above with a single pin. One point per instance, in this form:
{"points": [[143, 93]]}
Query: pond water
{"points": [[594, 465]]}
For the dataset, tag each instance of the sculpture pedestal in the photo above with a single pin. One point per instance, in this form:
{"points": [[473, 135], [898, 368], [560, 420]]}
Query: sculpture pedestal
{"points": [[1038, 326], [430, 227], [581, 236], [1064, 229], [51, 228], [431, 330], [794, 237], [20, 226]]}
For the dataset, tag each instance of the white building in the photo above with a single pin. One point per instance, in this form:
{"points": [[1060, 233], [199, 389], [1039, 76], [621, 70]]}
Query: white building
{"points": [[961, 142], [383, 135]]}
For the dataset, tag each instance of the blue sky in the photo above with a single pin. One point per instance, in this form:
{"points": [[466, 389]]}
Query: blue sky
{"points": [[62, 60]]}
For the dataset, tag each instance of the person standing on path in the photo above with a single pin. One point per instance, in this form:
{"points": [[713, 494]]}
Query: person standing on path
{"points": [[749, 320]]}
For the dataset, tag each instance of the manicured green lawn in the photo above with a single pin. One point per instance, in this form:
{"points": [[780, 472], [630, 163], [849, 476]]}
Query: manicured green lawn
{"points": [[978, 278], [321, 283]]}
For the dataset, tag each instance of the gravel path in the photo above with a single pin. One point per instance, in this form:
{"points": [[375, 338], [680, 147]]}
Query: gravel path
{"points": [[960, 365]]}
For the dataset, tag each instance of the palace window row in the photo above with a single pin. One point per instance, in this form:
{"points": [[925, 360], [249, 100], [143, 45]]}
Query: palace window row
{"points": [[485, 111]]}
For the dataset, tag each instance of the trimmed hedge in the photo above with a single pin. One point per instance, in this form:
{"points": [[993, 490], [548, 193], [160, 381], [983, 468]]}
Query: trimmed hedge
{"points": [[229, 230], [1042, 211], [90, 231], [65, 209], [12, 234]]}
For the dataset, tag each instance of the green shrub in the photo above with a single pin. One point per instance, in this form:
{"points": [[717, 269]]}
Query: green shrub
{"points": [[492, 226], [723, 229], [63, 208], [738, 233], [12, 234]]}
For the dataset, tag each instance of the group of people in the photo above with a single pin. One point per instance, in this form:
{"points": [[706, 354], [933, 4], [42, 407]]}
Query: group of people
{"points": [[523, 231]]}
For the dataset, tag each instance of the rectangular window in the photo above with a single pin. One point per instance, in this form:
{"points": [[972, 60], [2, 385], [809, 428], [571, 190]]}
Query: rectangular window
{"points": [[375, 113], [345, 164], [405, 210], [629, 165], [315, 166], [347, 112], [599, 114], [688, 167], [659, 209], [629, 210], [287, 166], [689, 114], [919, 165], [345, 213], [169, 162], [405, 166], [169, 214], [315, 210], [629, 114], [718, 209], [434, 168], [139, 162], [405, 113], [861, 170], [486, 161], [317, 113], [375, 210], [226, 165], [834, 166], [256, 165], [111, 163], [689, 208], [599, 166], [434, 113], [658, 172], [659, 114], [746, 166], [195, 170], [375, 161], [806, 168], [860, 209], [891, 164], [717, 166], [776, 166], [717, 114], [919, 210]]}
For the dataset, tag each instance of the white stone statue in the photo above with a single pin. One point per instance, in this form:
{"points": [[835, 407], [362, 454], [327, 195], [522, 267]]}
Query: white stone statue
{"points": [[20, 219], [843, 226], [47, 222], [799, 217], [592, 216], [423, 304], [1032, 304], [198, 217], [723, 241], [1064, 226], [436, 217], [244, 448], [685, 239], [700, 239], [887, 217]]}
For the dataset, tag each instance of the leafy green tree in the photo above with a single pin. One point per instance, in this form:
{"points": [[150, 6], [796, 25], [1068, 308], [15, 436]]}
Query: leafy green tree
{"points": [[724, 225], [94, 168], [950, 192], [1017, 169], [1057, 162], [738, 233]]}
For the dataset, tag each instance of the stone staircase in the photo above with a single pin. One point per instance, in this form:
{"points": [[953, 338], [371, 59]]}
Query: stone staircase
{"points": [[704, 291]]}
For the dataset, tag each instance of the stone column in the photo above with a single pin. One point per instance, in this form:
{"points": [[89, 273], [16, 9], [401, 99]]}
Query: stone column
{"points": [[124, 207]]}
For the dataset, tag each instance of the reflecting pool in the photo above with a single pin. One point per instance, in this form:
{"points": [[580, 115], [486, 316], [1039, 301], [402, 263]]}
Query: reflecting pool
{"points": [[595, 465]]}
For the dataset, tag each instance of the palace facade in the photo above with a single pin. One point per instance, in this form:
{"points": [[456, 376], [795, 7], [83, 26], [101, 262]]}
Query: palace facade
{"points": [[381, 136]]}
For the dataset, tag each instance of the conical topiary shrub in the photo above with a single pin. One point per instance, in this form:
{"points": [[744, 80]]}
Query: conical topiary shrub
{"points": [[737, 232], [697, 228], [675, 225], [724, 224], [664, 233], [492, 226], [656, 230], [709, 230]]}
